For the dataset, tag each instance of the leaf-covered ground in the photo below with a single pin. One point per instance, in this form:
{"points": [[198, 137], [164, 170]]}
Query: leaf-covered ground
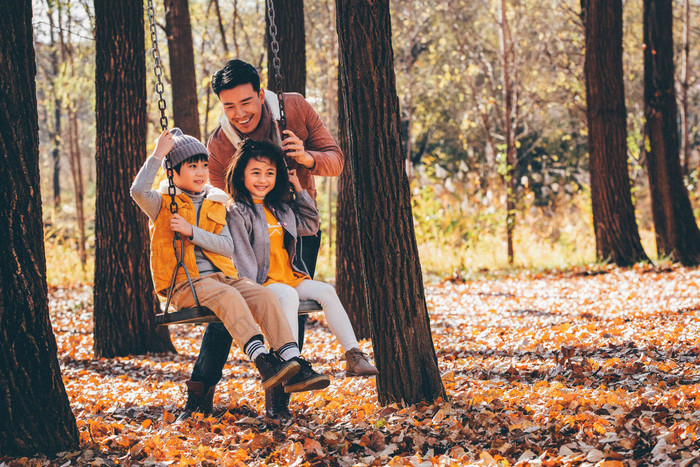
{"points": [[583, 367]]}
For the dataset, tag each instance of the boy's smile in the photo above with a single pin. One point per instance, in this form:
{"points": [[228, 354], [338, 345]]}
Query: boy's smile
{"points": [[259, 177], [192, 176]]}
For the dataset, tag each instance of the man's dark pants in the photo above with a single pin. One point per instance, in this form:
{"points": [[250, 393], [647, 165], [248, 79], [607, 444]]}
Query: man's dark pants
{"points": [[216, 342]]}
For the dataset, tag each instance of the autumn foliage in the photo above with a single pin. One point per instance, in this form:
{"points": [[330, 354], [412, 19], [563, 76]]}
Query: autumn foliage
{"points": [[583, 367]]}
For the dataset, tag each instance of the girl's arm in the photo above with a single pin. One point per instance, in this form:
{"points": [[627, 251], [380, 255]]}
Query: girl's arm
{"points": [[307, 216]]}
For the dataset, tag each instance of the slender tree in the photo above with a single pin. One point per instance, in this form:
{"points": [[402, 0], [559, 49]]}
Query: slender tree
{"points": [[182, 71], [403, 344], [125, 302], [684, 85], [677, 233], [35, 414], [289, 22], [616, 234]]}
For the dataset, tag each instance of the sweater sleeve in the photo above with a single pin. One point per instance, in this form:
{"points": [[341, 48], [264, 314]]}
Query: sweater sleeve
{"points": [[243, 254], [328, 157], [307, 216], [148, 199], [221, 243]]}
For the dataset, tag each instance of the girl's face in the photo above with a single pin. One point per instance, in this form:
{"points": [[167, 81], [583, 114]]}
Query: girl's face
{"points": [[259, 177]]}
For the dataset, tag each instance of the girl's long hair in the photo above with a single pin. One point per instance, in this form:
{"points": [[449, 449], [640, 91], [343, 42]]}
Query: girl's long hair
{"points": [[235, 183]]}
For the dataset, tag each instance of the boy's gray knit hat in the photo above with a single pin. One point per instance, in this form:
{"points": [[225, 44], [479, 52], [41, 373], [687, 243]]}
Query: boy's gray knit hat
{"points": [[184, 147]]}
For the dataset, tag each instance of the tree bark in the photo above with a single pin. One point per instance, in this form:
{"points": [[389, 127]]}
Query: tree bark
{"points": [[182, 71], [125, 302], [508, 133], [402, 341], [677, 233], [616, 234], [35, 414], [289, 19], [55, 135]]}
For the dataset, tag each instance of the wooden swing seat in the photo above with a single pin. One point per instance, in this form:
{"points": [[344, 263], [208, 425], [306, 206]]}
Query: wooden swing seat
{"points": [[202, 314]]}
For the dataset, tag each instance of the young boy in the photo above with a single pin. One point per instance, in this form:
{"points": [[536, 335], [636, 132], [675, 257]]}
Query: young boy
{"points": [[238, 302]]}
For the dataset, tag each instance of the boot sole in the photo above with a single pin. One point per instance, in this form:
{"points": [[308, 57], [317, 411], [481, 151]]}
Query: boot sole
{"points": [[311, 384], [286, 372], [354, 375]]}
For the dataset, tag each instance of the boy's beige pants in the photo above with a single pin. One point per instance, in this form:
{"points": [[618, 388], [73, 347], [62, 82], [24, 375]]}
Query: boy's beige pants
{"points": [[239, 304]]}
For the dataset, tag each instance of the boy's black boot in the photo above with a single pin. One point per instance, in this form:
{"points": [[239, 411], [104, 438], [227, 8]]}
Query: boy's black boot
{"points": [[306, 379], [274, 371], [277, 404], [198, 400]]}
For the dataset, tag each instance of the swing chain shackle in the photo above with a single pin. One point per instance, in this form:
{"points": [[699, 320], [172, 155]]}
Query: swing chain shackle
{"points": [[276, 63]]}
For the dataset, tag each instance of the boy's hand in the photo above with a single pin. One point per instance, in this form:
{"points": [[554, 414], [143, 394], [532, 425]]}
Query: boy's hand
{"points": [[294, 148], [294, 180], [179, 224], [164, 144]]}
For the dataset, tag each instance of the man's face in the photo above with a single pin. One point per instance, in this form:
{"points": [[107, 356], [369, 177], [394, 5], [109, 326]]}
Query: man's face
{"points": [[243, 107]]}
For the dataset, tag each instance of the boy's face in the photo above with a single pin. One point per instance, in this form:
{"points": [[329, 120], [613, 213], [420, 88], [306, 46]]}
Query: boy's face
{"points": [[192, 176], [243, 107], [259, 177]]}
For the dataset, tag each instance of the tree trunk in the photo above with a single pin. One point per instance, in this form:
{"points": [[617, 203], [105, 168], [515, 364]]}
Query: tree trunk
{"points": [[289, 19], [508, 133], [677, 233], [125, 302], [35, 414], [348, 270], [78, 186], [390, 268], [616, 234], [685, 84], [55, 135], [182, 72]]}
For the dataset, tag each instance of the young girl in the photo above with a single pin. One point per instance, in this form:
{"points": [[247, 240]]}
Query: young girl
{"points": [[265, 225]]}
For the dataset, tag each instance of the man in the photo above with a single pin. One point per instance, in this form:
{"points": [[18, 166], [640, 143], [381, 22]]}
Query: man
{"points": [[251, 112]]}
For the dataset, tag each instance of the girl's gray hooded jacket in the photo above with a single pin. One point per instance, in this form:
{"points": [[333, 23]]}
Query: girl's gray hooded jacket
{"points": [[251, 238]]}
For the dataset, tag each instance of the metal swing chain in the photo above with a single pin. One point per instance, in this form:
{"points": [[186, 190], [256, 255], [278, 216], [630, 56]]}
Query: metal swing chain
{"points": [[275, 47], [158, 71]]}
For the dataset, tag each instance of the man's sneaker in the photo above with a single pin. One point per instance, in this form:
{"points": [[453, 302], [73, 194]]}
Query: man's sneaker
{"points": [[275, 371], [307, 379], [357, 364]]}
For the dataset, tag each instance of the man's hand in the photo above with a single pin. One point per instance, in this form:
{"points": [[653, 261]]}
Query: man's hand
{"points": [[164, 144], [294, 148], [294, 180], [179, 224]]}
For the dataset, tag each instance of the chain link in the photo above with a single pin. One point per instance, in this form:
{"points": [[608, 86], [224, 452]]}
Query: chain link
{"points": [[276, 63]]}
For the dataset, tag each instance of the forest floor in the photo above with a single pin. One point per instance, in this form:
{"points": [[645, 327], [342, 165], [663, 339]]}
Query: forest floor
{"points": [[579, 367]]}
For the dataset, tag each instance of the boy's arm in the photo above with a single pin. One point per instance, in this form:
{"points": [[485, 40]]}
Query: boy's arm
{"points": [[220, 244], [145, 196], [148, 199], [308, 217]]}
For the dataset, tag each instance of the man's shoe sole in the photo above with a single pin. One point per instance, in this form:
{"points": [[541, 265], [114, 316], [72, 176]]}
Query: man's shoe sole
{"points": [[311, 384], [286, 372]]}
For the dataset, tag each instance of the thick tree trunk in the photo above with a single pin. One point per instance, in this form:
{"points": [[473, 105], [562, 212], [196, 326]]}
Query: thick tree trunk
{"points": [[677, 233], [182, 71], [348, 270], [403, 344], [616, 234], [289, 19], [35, 414], [125, 302]]}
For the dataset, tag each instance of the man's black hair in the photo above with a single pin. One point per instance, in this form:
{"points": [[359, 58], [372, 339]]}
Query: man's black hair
{"points": [[235, 73], [196, 158]]}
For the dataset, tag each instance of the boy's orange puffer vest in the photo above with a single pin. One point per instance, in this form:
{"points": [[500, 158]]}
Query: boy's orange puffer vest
{"points": [[212, 218]]}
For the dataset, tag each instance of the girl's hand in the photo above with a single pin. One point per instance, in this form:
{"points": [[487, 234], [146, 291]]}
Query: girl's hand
{"points": [[179, 224], [294, 180], [164, 144], [294, 148]]}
